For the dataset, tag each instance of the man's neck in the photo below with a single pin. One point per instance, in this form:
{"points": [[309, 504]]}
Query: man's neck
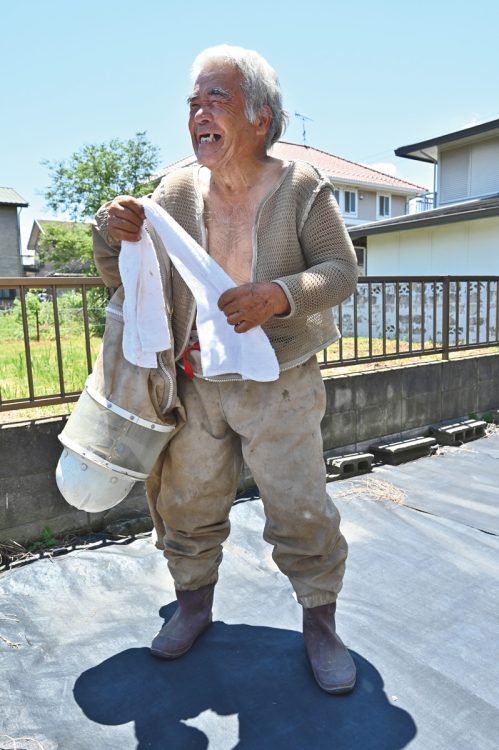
{"points": [[239, 181]]}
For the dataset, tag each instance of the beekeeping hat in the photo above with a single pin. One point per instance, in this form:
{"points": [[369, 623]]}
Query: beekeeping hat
{"points": [[106, 449], [89, 486]]}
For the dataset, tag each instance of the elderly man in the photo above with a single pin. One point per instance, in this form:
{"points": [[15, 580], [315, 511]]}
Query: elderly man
{"points": [[276, 230]]}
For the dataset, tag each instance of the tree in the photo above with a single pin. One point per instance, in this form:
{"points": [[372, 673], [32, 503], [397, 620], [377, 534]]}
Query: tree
{"points": [[67, 248], [97, 173]]}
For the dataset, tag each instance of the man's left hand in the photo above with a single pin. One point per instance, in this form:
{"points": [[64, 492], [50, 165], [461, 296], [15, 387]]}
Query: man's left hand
{"points": [[250, 305]]}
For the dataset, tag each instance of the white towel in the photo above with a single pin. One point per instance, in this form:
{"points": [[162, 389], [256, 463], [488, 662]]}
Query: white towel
{"points": [[145, 330], [223, 351]]}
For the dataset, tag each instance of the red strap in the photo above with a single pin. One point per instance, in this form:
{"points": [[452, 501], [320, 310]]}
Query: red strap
{"points": [[188, 369]]}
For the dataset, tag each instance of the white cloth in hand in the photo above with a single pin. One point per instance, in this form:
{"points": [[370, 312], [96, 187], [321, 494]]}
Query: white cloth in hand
{"points": [[145, 331], [223, 351]]}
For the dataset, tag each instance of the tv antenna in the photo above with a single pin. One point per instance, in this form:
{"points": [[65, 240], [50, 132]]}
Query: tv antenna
{"points": [[303, 118]]}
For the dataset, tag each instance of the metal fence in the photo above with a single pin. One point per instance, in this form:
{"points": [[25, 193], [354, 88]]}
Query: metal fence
{"points": [[408, 316], [50, 328]]}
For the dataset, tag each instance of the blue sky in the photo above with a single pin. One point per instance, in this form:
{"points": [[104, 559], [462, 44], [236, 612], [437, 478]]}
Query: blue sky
{"points": [[372, 76]]}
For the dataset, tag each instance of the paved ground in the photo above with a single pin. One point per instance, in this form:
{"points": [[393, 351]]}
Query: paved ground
{"points": [[419, 610]]}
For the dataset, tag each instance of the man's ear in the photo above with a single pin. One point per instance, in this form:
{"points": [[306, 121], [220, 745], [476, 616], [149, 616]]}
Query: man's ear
{"points": [[263, 119]]}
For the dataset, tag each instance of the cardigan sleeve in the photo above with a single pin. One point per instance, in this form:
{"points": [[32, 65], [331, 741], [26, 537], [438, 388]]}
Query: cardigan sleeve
{"points": [[332, 272], [107, 250]]}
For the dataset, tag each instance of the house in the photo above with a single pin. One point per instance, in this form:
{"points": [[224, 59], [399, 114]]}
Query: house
{"points": [[10, 238], [363, 194], [32, 264], [460, 235]]}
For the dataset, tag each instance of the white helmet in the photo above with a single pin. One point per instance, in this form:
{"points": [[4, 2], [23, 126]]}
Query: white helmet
{"points": [[88, 486]]}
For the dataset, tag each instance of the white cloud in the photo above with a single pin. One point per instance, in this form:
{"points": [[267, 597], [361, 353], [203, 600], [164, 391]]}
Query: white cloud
{"points": [[475, 120], [384, 166]]}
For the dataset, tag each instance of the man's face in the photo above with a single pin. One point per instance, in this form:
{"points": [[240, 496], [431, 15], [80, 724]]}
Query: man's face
{"points": [[219, 129]]}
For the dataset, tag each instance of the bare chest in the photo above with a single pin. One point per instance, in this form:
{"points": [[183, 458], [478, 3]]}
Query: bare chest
{"points": [[230, 231]]}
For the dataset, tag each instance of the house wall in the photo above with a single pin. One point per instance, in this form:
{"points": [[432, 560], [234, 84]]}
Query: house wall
{"points": [[398, 205], [469, 171], [10, 258], [366, 208], [466, 248]]}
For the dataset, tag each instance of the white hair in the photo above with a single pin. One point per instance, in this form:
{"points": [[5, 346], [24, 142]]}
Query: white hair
{"points": [[259, 83]]}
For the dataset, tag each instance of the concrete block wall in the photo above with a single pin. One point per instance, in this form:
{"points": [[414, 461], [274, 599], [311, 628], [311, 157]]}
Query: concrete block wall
{"points": [[361, 409], [403, 402], [29, 497]]}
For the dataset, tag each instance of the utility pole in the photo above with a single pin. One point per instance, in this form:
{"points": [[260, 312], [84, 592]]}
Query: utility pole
{"points": [[304, 132]]}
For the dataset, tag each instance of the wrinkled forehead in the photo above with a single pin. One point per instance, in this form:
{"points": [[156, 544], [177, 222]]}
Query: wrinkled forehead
{"points": [[222, 74]]}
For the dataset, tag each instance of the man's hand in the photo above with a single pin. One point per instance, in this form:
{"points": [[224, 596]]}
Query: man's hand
{"points": [[250, 305], [125, 218]]}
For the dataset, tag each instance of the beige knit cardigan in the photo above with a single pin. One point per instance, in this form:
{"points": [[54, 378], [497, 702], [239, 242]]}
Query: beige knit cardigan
{"points": [[299, 241]]}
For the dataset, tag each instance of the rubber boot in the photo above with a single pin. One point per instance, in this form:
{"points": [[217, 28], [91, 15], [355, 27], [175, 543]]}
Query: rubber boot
{"points": [[191, 618], [332, 665]]}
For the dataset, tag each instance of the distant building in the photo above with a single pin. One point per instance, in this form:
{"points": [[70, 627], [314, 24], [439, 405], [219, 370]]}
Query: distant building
{"points": [[363, 194], [460, 235], [10, 237]]}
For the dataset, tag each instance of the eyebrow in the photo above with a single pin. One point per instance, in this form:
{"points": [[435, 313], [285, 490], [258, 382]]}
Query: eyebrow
{"points": [[215, 91]]}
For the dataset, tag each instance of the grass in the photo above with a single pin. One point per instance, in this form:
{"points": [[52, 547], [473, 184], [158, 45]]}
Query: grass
{"points": [[13, 371], [43, 353]]}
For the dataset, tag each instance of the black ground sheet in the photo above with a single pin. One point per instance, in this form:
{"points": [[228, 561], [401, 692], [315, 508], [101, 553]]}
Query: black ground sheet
{"points": [[419, 611]]}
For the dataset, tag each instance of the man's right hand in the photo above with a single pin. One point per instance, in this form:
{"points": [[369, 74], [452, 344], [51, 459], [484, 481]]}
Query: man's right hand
{"points": [[125, 218]]}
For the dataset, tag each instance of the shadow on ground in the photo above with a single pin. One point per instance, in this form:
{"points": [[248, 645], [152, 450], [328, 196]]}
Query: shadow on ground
{"points": [[243, 687]]}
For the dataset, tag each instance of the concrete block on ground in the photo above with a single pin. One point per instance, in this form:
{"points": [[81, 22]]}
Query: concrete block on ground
{"points": [[350, 465], [460, 432], [404, 450]]}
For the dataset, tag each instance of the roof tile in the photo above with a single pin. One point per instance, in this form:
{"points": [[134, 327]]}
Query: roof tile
{"points": [[336, 167], [10, 197]]}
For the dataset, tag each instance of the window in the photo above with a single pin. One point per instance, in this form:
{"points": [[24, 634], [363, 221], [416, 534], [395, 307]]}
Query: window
{"points": [[337, 196], [383, 206], [350, 202]]}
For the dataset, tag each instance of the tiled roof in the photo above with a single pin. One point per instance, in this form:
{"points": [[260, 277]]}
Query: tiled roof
{"points": [[8, 196], [342, 171]]}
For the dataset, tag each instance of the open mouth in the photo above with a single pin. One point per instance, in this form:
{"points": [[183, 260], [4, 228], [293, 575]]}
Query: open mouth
{"points": [[209, 137]]}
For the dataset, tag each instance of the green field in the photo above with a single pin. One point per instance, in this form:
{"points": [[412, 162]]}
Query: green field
{"points": [[42, 345]]}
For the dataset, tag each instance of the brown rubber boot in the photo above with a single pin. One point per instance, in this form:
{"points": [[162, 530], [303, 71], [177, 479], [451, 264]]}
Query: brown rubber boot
{"points": [[332, 665], [191, 618]]}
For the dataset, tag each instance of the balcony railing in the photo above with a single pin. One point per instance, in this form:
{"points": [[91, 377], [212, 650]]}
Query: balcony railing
{"points": [[423, 202], [51, 328]]}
